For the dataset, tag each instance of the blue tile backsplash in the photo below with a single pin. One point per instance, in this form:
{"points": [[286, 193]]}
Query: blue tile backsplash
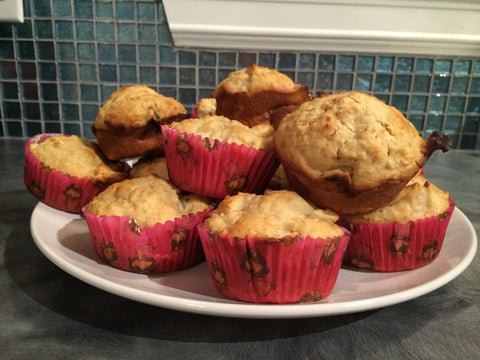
{"points": [[60, 65]]}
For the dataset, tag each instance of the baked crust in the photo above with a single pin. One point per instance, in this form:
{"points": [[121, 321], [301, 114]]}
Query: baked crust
{"points": [[419, 199], [351, 152], [129, 122], [220, 128], [76, 156], [147, 199], [257, 94], [274, 215]]}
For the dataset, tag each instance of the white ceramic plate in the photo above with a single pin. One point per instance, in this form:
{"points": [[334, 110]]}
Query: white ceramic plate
{"points": [[65, 240]]}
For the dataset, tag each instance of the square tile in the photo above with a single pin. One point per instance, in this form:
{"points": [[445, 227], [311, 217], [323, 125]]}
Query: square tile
{"points": [[43, 29], [324, 81], [147, 54], [383, 82], [437, 104], [49, 92], [206, 58], [405, 64], [456, 104], [50, 111], [344, 82], [9, 90], [402, 83], [146, 11], [267, 60], [306, 61], [385, 64], [424, 66], [459, 85], [326, 62], [89, 92], [187, 58], [105, 31], [421, 83], [364, 82], [345, 63], [128, 74], [106, 53], [25, 50], [441, 84], [287, 61], [67, 72], [463, 66], [365, 63], [28, 70], [148, 74], [64, 30]]}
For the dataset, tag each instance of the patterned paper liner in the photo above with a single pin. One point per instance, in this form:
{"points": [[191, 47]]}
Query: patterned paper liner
{"points": [[216, 169], [55, 188], [396, 247], [164, 247], [282, 271]]}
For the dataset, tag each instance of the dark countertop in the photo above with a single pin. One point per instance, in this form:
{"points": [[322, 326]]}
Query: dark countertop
{"points": [[48, 314]]}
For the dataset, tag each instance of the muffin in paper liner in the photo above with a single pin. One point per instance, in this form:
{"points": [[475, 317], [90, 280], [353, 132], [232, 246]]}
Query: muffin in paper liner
{"points": [[164, 247], [216, 168], [395, 247], [55, 188], [281, 271]]}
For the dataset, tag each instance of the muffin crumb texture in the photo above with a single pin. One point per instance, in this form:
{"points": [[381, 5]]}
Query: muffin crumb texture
{"points": [[221, 128], [274, 215], [149, 200], [77, 156]]}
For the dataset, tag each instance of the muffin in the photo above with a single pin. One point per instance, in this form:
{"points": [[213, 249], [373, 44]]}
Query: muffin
{"points": [[273, 248], [407, 233], [146, 225], [150, 166], [66, 172], [205, 107], [128, 123], [257, 94], [215, 156], [351, 152]]}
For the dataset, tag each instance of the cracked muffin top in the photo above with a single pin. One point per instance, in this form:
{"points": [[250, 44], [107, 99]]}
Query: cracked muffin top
{"points": [[79, 157], [276, 214], [353, 133], [221, 128], [148, 199], [134, 106]]}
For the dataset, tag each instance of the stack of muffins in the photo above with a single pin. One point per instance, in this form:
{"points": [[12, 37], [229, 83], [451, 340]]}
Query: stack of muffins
{"points": [[274, 188]]}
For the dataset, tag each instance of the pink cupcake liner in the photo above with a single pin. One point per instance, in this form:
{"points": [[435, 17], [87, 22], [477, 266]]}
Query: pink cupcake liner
{"points": [[55, 188], [396, 247], [265, 271], [216, 169], [164, 247]]}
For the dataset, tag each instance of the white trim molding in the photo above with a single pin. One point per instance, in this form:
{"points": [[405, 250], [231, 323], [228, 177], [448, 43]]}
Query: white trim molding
{"points": [[421, 27], [11, 11]]}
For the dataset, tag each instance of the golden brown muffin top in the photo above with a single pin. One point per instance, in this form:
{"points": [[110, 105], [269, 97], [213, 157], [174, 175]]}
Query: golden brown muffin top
{"points": [[353, 133], [149, 200], [253, 79], [275, 215], [206, 106], [223, 129], [150, 166], [135, 106], [420, 199], [79, 157]]}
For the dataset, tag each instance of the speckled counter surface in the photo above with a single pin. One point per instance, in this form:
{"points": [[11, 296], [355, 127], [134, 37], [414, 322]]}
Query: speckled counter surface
{"points": [[47, 314]]}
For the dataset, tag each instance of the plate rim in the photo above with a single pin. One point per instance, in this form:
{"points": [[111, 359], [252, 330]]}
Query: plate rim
{"points": [[251, 310]]}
